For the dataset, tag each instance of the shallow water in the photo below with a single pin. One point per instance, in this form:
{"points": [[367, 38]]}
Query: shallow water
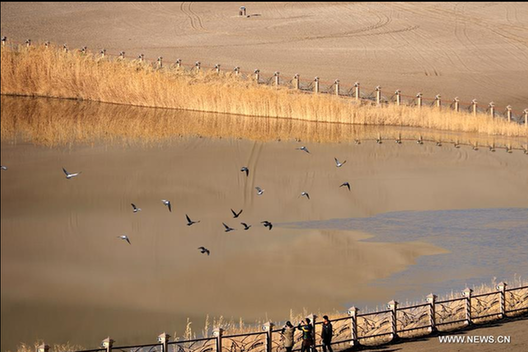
{"points": [[67, 277]]}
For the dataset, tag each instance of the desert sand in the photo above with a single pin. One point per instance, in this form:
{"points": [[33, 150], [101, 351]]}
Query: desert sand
{"points": [[469, 50]]}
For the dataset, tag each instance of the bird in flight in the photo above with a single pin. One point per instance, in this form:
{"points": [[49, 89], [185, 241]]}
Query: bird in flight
{"points": [[303, 148], [305, 194], [135, 209], [204, 250], [189, 221], [260, 191], [68, 175], [338, 164], [246, 170], [235, 214], [267, 224], [125, 238], [246, 226], [227, 228], [346, 184], [167, 203], [4, 167]]}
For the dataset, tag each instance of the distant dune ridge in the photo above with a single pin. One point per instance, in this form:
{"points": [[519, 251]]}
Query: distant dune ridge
{"points": [[53, 72]]}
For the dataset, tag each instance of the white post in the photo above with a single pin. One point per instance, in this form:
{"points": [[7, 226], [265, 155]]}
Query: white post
{"points": [[277, 77], [268, 327], [163, 338], [356, 91], [141, 57], [467, 293], [217, 68], [160, 62], [43, 347], [419, 97], [107, 344], [218, 332], [492, 109], [353, 312], [257, 75], [398, 97], [431, 299], [103, 53], [178, 63], [474, 106], [457, 104], [378, 95], [65, 48], [509, 113], [438, 100], [47, 44], [296, 81], [28, 42], [4, 41], [393, 306], [122, 55], [336, 82], [502, 289], [197, 65], [526, 117], [316, 85], [237, 70]]}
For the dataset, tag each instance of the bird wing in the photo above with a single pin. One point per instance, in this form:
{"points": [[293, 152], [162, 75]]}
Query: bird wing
{"points": [[188, 219], [348, 186], [258, 189], [270, 225], [227, 227], [234, 214], [201, 248], [336, 161], [307, 195], [170, 208], [208, 252], [247, 172], [126, 238], [133, 206], [66, 172]]}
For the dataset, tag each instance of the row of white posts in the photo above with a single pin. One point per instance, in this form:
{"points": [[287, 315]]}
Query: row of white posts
{"points": [[353, 312]]}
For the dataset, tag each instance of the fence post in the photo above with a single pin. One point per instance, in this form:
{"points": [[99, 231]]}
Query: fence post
{"points": [[353, 312], [313, 319], [393, 306], [47, 44], [296, 81], [526, 117], [107, 344], [336, 82], [467, 293], [438, 101], [277, 78], [356, 90], [4, 40], [502, 289], [83, 50], [28, 42], [378, 95], [431, 299], [268, 328], [65, 48], [474, 106], [197, 64], [122, 55], [160, 62], [457, 104], [43, 347], [419, 97], [316, 85], [163, 338], [398, 97], [218, 332], [178, 63], [492, 109], [237, 70], [217, 68], [141, 57], [509, 113], [103, 53], [257, 75]]}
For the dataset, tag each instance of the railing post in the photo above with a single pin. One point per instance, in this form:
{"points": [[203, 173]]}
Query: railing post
{"points": [[257, 75], [141, 57], [457, 104], [237, 70], [122, 55], [218, 332], [160, 62], [419, 98], [65, 47], [316, 85], [467, 293], [296, 81], [431, 299], [502, 289], [217, 68], [356, 91], [378, 95], [393, 306], [398, 97], [28, 42], [178, 63], [268, 328], [163, 338], [438, 101], [509, 113], [83, 50], [313, 319], [197, 64], [4, 40], [43, 347], [474, 106], [353, 312], [526, 117], [103, 53], [492, 109], [277, 78], [47, 44], [336, 82], [107, 344]]}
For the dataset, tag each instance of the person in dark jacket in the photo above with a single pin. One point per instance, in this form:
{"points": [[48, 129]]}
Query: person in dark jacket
{"points": [[287, 336], [326, 334], [307, 335]]}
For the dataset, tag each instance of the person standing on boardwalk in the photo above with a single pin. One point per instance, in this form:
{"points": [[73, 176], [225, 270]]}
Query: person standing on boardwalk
{"points": [[287, 335], [307, 335], [326, 334]]}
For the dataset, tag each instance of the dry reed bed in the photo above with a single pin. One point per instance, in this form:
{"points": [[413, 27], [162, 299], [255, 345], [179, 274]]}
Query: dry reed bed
{"points": [[59, 122], [51, 72]]}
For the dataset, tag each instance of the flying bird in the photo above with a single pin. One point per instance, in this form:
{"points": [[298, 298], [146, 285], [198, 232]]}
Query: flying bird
{"points": [[305, 194], [167, 203], [346, 184], [189, 221], [68, 175], [125, 238], [246, 226], [267, 224], [204, 250], [4, 167], [260, 191], [338, 164], [227, 228], [235, 214], [136, 209], [303, 148], [246, 170]]}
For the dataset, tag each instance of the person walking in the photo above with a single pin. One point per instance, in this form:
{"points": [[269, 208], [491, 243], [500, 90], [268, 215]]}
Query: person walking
{"points": [[287, 335], [326, 334], [307, 335]]}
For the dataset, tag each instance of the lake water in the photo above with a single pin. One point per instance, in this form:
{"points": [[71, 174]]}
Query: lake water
{"points": [[418, 219]]}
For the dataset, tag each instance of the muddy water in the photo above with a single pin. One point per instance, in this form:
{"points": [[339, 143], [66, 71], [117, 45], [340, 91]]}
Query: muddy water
{"points": [[67, 277]]}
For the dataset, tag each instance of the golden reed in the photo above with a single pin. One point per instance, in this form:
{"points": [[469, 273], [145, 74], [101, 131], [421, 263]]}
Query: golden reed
{"points": [[52, 72]]}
